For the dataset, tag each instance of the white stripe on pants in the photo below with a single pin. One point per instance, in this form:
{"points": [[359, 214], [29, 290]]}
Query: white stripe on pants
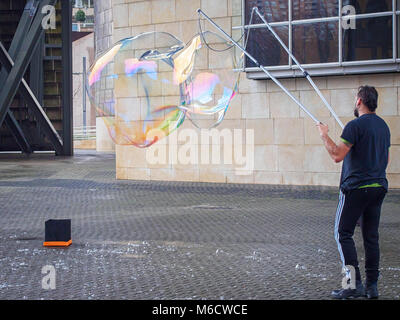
{"points": [[339, 211]]}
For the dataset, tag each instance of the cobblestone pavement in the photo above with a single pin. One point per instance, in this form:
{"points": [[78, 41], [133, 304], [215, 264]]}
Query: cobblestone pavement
{"points": [[170, 240]]}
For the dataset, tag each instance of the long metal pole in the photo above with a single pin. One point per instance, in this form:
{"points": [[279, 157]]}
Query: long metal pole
{"points": [[66, 96], [84, 92], [306, 74], [278, 83]]}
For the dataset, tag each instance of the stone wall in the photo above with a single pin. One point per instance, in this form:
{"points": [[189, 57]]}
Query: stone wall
{"points": [[83, 47], [288, 149], [103, 24]]}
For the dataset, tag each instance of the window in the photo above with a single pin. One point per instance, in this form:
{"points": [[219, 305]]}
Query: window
{"points": [[315, 42], [398, 28], [323, 37], [78, 4], [84, 3]]}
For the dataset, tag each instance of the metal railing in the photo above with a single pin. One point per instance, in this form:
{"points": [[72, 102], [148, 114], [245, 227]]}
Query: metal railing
{"points": [[85, 133]]}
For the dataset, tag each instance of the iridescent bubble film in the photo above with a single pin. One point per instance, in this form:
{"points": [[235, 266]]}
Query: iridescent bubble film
{"points": [[144, 86], [213, 81], [132, 87]]}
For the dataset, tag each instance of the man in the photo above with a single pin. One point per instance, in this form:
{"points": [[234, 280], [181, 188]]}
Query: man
{"points": [[364, 150]]}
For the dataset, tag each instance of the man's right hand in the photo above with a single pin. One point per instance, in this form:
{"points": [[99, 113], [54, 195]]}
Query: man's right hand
{"points": [[323, 129]]}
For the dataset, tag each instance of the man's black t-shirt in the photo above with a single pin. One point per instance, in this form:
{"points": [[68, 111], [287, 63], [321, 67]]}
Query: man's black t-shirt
{"points": [[367, 159]]}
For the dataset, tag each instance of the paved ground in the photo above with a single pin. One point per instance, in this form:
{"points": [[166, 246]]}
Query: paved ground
{"points": [[159, 240]]}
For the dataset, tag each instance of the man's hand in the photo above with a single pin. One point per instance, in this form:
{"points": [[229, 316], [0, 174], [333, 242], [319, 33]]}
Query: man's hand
{"points": [[337, 152], [323, 129]]}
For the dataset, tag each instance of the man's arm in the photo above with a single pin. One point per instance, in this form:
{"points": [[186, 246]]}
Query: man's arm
{"points": [[337, 152]]}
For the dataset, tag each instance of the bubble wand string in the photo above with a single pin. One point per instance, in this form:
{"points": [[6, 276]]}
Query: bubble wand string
{"points": [[277, 82], [305, 73], [244, 35]]}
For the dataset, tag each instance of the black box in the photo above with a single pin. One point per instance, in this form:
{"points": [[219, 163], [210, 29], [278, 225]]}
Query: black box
{"points": [[57, 233]]}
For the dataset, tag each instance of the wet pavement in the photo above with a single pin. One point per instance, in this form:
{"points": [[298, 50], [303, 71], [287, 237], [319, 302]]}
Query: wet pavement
{"points": [[173, 240]]}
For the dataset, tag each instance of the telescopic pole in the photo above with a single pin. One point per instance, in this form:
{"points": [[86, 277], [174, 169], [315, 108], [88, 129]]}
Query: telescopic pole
{"points": [[306, 74], [278, 83]]}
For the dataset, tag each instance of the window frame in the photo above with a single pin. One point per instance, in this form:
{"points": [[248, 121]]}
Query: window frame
{"points": [[291, 70]]}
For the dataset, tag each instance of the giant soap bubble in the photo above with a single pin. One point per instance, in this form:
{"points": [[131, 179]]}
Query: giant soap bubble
{"points": [[132, 86], [144, 86], [212, 82]]}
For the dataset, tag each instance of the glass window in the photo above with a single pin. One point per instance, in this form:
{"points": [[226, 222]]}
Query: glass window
{"points": [[398, 35], [314, 33], [369, 6], [310, 9], [372, 39], [316, 42], [263, 46], [273, 10]]}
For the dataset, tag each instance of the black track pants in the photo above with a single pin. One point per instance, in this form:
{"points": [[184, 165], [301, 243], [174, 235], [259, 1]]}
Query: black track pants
{"points": [[365, 203]]}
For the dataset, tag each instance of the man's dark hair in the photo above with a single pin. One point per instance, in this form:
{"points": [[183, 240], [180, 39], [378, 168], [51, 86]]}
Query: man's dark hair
{"points": [[369, 96]]}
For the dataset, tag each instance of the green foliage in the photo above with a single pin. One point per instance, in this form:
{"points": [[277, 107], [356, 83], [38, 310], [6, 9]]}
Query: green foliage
{"points": [[80, 16]]}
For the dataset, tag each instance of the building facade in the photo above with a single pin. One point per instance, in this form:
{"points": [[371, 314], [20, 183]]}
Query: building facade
{"points": [[82, 47], [287, 146], [39, 117]]}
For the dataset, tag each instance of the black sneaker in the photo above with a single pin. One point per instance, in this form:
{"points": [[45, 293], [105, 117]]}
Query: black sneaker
{"points": [[372, 291], [344, 294]]}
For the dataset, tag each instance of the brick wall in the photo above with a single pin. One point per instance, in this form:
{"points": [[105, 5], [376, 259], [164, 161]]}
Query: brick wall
{"points": [[287, 149]]}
